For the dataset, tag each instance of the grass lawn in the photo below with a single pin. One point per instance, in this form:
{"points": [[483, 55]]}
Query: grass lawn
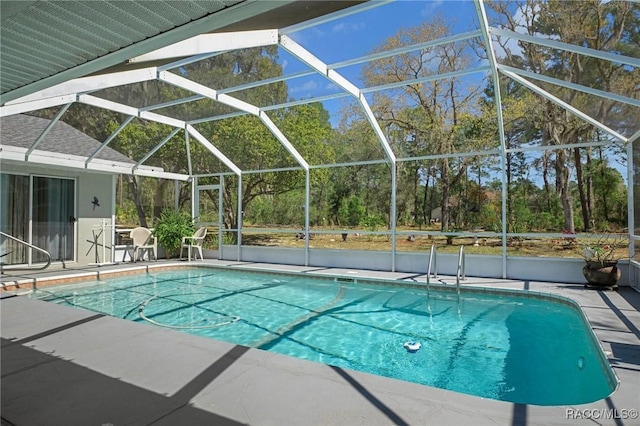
{"points": [[537, 247]]}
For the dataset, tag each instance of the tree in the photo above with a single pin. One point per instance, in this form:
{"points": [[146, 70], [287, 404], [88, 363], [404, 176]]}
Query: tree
{"points": [[605, 26], [433, 114]]}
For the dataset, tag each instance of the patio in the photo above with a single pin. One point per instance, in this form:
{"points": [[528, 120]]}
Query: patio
{"points": [[67, 366]]}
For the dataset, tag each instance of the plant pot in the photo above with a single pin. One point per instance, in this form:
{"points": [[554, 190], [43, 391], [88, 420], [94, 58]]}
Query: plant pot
{"points": [[602, 274]]}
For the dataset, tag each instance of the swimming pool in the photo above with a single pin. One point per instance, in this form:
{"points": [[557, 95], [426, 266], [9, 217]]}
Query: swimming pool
{"points": [[500, 346]]}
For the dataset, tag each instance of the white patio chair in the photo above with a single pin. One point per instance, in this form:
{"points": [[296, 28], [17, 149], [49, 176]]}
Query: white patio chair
{"points": [[143, 242], [194, 242]]}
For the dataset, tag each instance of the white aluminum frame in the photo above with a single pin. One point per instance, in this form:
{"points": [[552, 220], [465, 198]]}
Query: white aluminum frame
{"points": [[193, 46]]}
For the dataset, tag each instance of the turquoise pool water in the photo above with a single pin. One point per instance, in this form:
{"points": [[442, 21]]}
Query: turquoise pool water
{"points": [[510, 348]]}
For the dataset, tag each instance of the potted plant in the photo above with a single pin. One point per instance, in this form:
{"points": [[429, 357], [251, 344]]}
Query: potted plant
{"points": [[601, 254], [170, 228]]}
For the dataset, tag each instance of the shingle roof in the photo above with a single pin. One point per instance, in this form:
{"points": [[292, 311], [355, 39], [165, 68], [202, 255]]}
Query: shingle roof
{"points": [[23, 130]]}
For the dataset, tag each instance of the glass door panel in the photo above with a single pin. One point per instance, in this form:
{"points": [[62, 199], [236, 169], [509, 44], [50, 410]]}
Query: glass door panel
{"points": [[14, 218], [53, 218]]}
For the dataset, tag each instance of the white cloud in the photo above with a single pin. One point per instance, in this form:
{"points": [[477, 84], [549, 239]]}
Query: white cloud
{"points": [[307, 87], [332, 87], [317, 32], [346, 27], [427, 11]]}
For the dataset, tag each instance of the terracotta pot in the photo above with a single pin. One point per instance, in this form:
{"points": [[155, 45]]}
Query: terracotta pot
{"points": [[602, 274]]}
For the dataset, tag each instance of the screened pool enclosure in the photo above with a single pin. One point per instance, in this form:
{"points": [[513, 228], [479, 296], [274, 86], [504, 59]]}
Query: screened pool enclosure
{"points": [[355, 134]]}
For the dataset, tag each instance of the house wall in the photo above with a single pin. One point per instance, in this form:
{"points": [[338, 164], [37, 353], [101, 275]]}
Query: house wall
{"points": [[89, 219]]}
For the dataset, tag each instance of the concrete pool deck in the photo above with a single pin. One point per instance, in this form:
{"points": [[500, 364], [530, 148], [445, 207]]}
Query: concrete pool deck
{"points": [[65, 366]]}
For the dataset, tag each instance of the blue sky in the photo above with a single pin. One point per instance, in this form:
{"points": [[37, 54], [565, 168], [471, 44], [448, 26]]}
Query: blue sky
{"points": [[357, 35]]}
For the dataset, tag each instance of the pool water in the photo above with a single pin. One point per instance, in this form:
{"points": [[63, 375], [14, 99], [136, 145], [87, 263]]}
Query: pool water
{"points": [[510, 348]]}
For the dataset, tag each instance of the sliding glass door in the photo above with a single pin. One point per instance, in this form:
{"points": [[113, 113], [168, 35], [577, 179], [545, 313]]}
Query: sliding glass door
{"points": [[48, 204], [53, 218]]}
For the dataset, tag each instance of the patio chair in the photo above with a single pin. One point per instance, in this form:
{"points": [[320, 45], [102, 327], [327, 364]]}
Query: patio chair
{"points": [[143, 242], [194, 242]]}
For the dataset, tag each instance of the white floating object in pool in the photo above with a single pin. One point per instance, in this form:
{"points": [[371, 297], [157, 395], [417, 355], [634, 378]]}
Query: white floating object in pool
{"points": [[412, 346], [581, 363]]}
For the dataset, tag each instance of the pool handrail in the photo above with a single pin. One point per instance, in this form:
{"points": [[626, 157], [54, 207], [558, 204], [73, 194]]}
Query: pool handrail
{"points": [[460, 271], [432, 262], [38, 268]]}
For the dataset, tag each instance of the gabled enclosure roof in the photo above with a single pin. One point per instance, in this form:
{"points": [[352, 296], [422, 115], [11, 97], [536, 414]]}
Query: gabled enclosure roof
{"points": [[160, 43]]}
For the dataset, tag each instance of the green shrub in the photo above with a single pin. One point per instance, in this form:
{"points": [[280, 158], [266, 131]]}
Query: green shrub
{"points": [[171, 227]]}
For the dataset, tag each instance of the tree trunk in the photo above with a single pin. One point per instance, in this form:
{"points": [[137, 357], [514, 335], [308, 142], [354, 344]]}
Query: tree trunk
{"points": [[229, 216], [445, 208], [583, 198], [590, 188], [565, 194], [426, 215], [559, 134], [134, 187], [604, 201], [545, 179], [158, 199]]}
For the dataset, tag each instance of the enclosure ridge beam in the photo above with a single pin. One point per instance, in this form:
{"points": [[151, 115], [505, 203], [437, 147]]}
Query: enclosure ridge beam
{"points": [[187, 84], [159, 118], [129, 110], [124, 124], [586, 51], [110, 105], [573, 86], [20, 108], [563, 104], [90, 84], [208, 92], [208, 145]]}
